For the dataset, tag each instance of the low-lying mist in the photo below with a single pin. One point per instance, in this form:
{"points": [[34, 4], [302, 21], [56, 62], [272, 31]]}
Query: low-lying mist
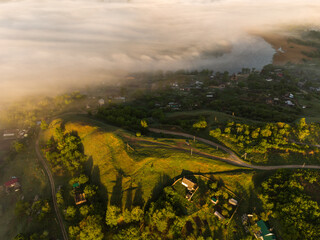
{"points": [[50, 45]]}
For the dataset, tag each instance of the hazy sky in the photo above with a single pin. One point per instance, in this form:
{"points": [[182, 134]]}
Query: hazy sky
{"points": [[49, 43]]}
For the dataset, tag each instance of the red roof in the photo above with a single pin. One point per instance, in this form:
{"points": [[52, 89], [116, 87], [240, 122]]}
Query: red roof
{"points": [[12, 181]]}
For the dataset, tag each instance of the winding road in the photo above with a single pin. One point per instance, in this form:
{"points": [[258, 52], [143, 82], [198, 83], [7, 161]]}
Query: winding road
{"points": [[53, 189], [233, 158]]}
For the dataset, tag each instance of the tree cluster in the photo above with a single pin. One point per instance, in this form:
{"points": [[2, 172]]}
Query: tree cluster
{"points": [[287, 194]]}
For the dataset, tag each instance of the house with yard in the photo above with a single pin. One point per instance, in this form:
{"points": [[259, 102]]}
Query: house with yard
{"points": [[264, 233], [191, 186], [12, 184]]}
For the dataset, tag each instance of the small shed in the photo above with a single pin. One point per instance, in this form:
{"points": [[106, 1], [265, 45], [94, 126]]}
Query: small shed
{"points": [[189, 184], [13, 184], [214, 200], [233, 202], [219, 215]]}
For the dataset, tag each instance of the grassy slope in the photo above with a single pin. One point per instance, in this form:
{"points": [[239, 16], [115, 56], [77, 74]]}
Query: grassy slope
{"points": [[124, 174]]}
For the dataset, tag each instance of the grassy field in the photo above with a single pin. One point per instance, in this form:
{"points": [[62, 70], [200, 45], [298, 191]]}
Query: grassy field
{"points": [[132, 174], [33, 182], [211, 116]]}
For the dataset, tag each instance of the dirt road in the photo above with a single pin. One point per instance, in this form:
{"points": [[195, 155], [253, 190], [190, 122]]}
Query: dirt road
{"points": [[53, 190], [233, 158]]}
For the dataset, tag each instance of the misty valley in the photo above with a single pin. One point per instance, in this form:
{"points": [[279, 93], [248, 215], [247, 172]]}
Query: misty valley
{"points": [[151, 119]]}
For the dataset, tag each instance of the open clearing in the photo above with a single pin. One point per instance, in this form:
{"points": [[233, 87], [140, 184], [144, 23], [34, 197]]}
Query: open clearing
{"points": [[131, 174]]}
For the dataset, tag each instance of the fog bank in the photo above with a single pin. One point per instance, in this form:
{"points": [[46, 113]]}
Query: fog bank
{"points": [[48, 45]]}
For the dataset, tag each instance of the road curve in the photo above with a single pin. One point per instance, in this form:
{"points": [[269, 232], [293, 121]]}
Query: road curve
{"points": [[233, 158], [53, 189]]}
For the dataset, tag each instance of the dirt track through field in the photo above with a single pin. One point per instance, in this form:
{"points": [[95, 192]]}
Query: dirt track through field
{"points": [[233, 158]]}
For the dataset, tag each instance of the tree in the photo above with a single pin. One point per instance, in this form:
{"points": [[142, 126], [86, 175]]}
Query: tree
{"points": [[200, 125], [44, 125], [70, 213], [21, 208], [214, 185], [137, 214], [85, 210], [74, 232], [82, 179], [18, 146], [90, 190], [216, 133], [20, 236], [91, 228], [112, 216], [59, 198], [131, 233], [144, 123]]}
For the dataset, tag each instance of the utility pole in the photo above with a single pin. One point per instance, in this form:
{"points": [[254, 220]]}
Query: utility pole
{"points": [[194, 138], [191, 151]]}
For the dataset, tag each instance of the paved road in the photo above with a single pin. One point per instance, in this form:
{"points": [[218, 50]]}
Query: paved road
{"points": [[233, 158], [53, 189]]}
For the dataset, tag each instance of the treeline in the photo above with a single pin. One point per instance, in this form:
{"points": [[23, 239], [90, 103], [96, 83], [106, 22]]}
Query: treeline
{"points": [[64, 151], [290, 197], [167, 218], [278, 136], [28, 111], [39, 211]]}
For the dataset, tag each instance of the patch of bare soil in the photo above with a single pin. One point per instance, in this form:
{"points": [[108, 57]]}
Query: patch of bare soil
{"points": [[286, 51]]}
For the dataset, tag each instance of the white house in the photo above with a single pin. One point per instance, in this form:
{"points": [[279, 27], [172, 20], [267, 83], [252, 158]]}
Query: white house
{"points": [[101, 101]]}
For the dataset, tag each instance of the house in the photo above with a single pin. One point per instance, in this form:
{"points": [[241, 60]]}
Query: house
{"points": [[12, 184], [101, 101], [269, 79], [291, 96], [174, 105], [219, 215], [189, 184], [233, 202], [120, 99], [288, 102], [79, 198], [234, 77], [214, 200], [264, 233], [8, 134]]}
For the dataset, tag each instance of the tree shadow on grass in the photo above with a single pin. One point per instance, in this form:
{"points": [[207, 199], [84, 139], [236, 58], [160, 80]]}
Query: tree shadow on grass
{"points": [[116, 197], [163, 181], [88, 167], [138, 196], [129, 196], [103, 191]]}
